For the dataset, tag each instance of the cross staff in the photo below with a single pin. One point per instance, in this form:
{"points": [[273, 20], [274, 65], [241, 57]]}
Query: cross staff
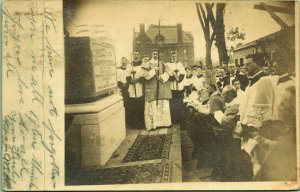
{"points": [[133, 77], [176, 71], [157, 84]]}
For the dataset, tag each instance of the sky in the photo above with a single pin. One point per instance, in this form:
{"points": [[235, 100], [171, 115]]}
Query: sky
{"points": [[119, 18]]}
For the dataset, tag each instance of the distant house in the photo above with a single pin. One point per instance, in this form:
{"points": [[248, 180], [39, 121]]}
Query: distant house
{"points": [[279, 46], [171, 38]]}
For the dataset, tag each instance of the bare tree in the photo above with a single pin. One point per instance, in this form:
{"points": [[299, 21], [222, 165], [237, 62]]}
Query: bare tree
{"points": [[208, 36], [207, 20], [218, 26]]}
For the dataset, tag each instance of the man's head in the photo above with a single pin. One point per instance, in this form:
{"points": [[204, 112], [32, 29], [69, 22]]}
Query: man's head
{"points": [[216, 69], [274, 69], [237, 84], [221, 72], [199, 70], [254, 63], [155, 53], [229, 93], [173, 55], [146, 59], [136, 55], [225, 67], [287, 108], [123, 61], [231, 68], [188, 70], [194, 70], [266, 70], [243, 70]]}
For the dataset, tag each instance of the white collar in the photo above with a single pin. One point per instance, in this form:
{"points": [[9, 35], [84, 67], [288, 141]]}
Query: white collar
{"points": [[256, 74]]}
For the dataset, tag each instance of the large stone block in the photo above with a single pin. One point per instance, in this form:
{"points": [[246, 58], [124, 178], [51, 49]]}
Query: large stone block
{"points": [[101, 129]]}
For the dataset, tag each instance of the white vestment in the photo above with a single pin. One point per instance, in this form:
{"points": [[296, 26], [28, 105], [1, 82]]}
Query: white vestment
{"points": [[181, 71], [258, 105], [135, 90], [259, 102]]}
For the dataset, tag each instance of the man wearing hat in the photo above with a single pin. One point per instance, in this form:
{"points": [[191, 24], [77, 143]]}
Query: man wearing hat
{"points": [[176, 102], [157, 92]]}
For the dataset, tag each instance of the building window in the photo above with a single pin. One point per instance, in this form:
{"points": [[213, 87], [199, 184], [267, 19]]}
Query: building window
{"points": [[236, 61], [241, 61]]}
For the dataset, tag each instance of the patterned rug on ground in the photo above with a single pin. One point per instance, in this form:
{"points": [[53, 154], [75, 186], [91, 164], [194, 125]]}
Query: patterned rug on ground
{"points": [[149, 147], [146, 173]]}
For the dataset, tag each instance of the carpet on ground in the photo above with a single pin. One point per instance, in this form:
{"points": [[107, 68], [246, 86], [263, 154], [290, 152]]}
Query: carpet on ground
{"points": [[145, 173], [149, 147]]}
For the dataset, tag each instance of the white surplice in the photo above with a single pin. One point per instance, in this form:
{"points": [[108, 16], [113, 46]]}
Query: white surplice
{"points": [[181, 71], [135, 90], [259, 102]]}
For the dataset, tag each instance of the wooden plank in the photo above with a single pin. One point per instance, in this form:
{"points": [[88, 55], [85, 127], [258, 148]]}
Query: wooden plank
{"points": [[274, 16], [277, 9]]}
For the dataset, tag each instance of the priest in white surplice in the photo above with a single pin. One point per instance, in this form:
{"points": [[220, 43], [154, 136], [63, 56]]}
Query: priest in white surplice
{"points": [[257, 106]]}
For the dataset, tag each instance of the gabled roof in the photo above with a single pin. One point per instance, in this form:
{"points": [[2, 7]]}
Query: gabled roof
{"points": [[169, 32], [270, 37]]}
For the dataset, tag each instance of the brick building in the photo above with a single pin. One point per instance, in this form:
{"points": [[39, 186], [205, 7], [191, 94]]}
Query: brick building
{"points": [[171, 38], [279, 46]]}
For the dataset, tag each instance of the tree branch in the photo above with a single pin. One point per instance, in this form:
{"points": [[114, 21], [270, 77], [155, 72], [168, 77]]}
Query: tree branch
{"points": [[203, 14], [210, 15], [199, 16]]}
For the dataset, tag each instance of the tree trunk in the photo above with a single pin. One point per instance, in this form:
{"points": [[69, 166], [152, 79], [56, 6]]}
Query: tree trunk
{"points": [[220, 37], [208, 55], [204, 21]]}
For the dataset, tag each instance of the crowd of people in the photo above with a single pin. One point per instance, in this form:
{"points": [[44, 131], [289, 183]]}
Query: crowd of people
{"points": [[241, 119]]}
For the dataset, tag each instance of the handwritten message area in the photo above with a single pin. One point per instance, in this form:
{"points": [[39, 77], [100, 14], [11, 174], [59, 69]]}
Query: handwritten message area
{"points": [[33, 95]]}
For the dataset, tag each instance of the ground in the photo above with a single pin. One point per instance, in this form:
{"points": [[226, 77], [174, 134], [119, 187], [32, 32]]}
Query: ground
{"points": [[174, 165]]}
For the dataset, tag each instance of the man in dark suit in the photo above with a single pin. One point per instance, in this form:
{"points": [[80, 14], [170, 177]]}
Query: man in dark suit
{"points": [[235, 74], [223, 79]]}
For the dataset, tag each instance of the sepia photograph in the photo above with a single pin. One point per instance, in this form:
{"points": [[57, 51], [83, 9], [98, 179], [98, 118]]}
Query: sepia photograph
{"points": [[179, 91], [150, 95]]}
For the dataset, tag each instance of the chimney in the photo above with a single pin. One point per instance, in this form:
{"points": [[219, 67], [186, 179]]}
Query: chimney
{"points": [[179, 33], [142, 28]]}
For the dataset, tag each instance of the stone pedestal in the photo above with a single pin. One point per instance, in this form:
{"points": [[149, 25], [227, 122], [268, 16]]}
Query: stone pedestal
{"points": [[99, 127]]}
